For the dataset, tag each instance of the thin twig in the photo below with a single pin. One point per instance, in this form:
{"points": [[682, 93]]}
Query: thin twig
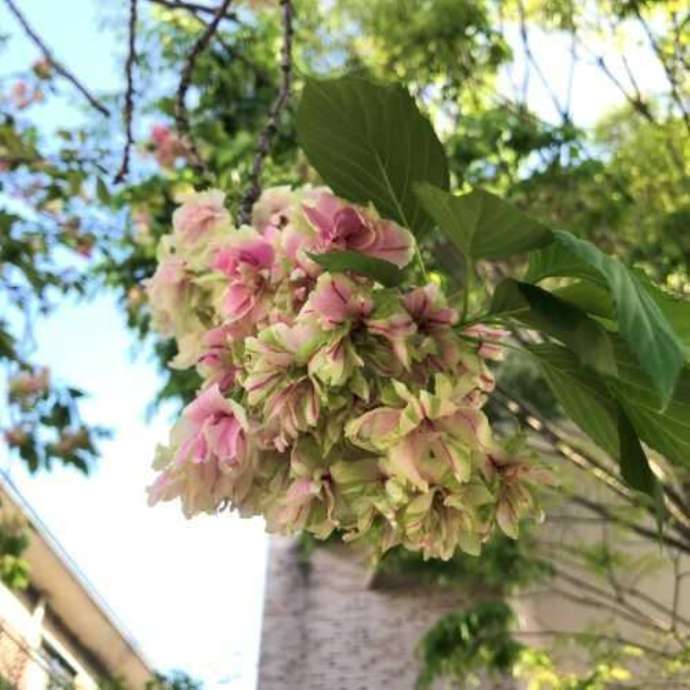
{"points": [[614, 600], [675, 617], [192, 7], [231, 52], [254, 190], [642, 531], [669, 70], [571, 77], [555, 549], [129, 93], [181, 115], [57, 66], [524, 35]]}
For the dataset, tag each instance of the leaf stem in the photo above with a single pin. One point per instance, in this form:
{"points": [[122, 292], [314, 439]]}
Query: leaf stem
{"points": [[469, 269], [420, 261]]}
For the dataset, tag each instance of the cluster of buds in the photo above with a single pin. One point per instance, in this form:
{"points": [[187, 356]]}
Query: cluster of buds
{"points": [[43, 68], [329, 402], [70, 441], [27, 386], [167, 146], [81, 241]]}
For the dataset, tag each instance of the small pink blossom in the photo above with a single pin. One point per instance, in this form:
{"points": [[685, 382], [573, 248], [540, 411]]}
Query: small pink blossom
{"points": [[336, 300], [246, 261], [428, 309], [216, 364], [199, 215], [213, 429], [271, 213], [489, 337], [341, 226], [168, 146], [21, 95], [166, 291], [29, 384]]}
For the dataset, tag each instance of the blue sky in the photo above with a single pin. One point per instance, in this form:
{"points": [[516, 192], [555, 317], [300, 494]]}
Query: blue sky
{"points": [[188, 591]]}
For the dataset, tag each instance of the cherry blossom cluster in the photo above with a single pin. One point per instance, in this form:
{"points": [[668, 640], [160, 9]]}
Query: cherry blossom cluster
{"points": [[329, 401], [167, 146]]}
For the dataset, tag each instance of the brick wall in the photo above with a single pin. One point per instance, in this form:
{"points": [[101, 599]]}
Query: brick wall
{"points": [[325, 627]]}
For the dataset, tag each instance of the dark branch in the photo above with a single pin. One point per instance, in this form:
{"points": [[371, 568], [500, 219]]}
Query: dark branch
{"points": [[57, 66], [192, 7], [181, 115], [268, 132], [129, 93]]}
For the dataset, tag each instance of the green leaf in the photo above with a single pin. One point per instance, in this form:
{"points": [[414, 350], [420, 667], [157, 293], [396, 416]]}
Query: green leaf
{"points": [[582, 394], [102, 192], [384, 272], [675, 309], [596, 404], [370, 143], [596, 300], [590, 297], [668, 432], [634, 465], [641, 322], [7, 343], [6, 222], [586, 400], [482, 225], [543, 311]]}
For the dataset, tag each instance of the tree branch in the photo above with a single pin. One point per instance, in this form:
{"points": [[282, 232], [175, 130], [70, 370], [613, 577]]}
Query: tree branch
{"points": [[193, 7], [57, 66], [640, 530], [181, 115], [264, 144], [129, 93], [668, 69]]}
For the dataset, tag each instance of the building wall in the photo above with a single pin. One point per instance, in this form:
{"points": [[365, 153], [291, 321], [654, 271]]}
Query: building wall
{"points": [[59, 631], [327, 626], [24, 630]]}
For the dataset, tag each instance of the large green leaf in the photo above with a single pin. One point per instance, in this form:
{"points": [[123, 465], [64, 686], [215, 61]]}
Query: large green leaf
{"points": [[675, 309], [640, 320], [384, 272], [585, 398], [582, 394], [543, 311], [667, 432], [482, 225], [595, 403], [589, 296], [370, 143], [595, 299], [634, 464]]}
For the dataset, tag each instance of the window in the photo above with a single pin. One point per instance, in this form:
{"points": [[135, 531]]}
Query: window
{"points": [[61, 673]]}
